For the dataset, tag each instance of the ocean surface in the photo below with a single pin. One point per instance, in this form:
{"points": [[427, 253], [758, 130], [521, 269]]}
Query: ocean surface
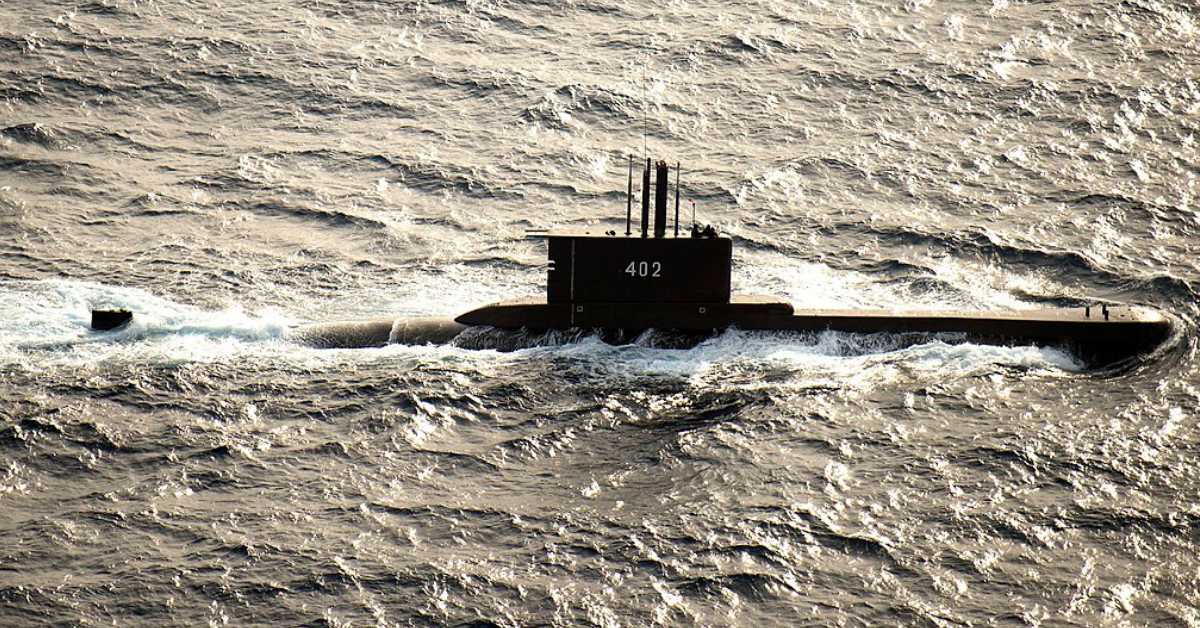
{"points": [[230, 169]]}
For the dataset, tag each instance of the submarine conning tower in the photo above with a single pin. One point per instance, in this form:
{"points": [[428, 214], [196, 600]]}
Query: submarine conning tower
{"points": [[631, 281], [587, 268]]}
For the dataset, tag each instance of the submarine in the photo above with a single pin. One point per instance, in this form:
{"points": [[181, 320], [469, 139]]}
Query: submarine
{"points": [[618, 286]]}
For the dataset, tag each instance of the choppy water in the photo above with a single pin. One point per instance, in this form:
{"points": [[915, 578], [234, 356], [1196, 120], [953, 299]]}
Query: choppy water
{"points": [[228, 169]]}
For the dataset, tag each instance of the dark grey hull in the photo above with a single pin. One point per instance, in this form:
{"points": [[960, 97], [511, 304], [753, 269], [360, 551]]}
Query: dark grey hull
{"points": [[378, 332], [1099, 337]]}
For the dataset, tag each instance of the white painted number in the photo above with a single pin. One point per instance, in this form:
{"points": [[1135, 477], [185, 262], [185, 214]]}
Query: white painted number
{"points": [[644, 269]]}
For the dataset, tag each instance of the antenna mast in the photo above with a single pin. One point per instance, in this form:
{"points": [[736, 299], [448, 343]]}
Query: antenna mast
{"points": [[646, 200], [629, 201], [678, 170]]}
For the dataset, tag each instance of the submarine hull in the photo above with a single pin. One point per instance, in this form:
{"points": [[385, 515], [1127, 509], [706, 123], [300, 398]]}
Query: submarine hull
{"points": [[378, 332], [1097, 336]]}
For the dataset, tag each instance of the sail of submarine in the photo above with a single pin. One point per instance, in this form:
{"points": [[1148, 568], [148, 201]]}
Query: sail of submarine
{"points": [[618, 286]]}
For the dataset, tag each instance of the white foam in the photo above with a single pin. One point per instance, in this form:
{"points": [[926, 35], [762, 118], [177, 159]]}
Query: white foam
{"points": [[48, 322], [739, 358]]}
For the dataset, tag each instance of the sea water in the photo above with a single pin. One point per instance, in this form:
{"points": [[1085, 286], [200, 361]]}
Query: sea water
{"points": [[230, 169]]}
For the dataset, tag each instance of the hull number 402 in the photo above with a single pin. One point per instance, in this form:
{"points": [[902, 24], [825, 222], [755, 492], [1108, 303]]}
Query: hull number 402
{"points": [[644, 269]]}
